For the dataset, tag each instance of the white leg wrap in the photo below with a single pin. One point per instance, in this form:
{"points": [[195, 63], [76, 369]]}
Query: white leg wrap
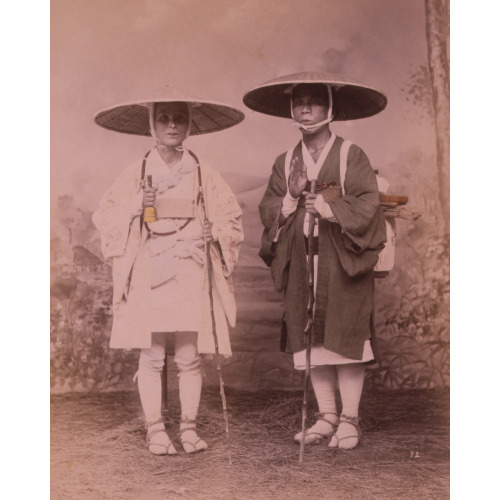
{"points": [[351, 379], [188, 361], [151, 363], [323, 380]]}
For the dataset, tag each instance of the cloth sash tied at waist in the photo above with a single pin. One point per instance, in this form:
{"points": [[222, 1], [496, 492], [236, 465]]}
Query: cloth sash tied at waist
{"points": [[330, 192], [319, 186]]}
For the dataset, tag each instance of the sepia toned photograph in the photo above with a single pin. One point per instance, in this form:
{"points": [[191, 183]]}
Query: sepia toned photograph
{"points": [[249, 249]]}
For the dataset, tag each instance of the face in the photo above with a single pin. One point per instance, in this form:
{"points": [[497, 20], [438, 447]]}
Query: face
{"points": [[309, 106], [171, 123]]}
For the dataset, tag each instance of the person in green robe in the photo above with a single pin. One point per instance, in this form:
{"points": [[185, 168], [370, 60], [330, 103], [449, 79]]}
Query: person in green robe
{"points": [[348, 236]]}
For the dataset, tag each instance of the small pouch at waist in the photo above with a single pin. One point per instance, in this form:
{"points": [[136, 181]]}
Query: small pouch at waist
{"points": [[172, 208], [330, 193]]}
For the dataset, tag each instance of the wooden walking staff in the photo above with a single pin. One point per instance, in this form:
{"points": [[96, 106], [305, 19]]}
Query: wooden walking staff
{"points": [[310, 320], [212, 314]]}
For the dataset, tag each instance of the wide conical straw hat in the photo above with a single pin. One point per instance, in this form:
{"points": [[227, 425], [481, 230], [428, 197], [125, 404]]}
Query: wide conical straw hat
{"points": [[351, 100], [132, 117]]}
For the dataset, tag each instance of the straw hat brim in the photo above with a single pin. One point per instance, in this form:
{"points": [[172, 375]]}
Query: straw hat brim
{"points": [[352, 100], [133, 117]]}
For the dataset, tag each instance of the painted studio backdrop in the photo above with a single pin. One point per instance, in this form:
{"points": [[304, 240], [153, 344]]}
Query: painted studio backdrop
{"points": [[103, 53]]}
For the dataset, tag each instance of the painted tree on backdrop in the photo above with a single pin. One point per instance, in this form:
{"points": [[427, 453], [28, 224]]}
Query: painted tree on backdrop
{"points": [[413, 329], [438, 38]]}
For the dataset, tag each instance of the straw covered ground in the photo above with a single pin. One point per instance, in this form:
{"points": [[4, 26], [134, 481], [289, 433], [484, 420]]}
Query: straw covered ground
{"points": [[98, 450]]}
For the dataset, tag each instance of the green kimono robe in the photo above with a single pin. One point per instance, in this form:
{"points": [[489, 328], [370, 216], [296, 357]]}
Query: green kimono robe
{"points": [[347, 253]]}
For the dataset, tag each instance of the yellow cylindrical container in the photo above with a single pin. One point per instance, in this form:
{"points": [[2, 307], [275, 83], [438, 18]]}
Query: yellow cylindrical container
{"points": [[150, 212]]}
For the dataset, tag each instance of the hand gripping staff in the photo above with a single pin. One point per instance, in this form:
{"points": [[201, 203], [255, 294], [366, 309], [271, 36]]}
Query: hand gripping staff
{"points": [[310, 320], [201, 197]]}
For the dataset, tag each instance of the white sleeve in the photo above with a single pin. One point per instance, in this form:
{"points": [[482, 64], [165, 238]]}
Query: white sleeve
{"points": [[324, 209], [289, 204], [137, 206]]}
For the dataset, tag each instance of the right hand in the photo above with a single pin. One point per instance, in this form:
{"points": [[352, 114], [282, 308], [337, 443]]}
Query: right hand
{"points": [[149, 196], [297, 180], [207, 231], [310, 200]]}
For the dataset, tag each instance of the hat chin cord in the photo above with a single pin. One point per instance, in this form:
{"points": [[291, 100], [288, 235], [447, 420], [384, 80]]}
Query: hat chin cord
{"points": [[311, 127], [166, 146]]}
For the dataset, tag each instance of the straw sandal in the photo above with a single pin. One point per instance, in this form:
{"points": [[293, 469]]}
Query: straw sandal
{"points": [[336, 442], [158, 447], [312, 435], [191, 442]]}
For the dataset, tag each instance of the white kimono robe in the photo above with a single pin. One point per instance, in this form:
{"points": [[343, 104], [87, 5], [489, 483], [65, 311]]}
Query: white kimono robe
{"points": [[124, 244]]}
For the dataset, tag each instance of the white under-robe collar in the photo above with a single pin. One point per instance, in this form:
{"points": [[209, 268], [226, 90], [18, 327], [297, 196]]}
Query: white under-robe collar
{"points": [[313, 172], [312, 167]]}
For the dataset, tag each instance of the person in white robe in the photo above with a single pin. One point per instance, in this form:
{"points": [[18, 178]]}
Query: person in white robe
{"points": [[160, 275]]}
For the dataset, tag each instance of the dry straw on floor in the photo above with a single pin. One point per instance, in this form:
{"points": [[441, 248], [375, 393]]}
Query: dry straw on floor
{"points": [[98, 450]]}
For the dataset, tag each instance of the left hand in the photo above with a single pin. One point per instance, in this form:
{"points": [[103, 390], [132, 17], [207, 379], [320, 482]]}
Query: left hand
{"points": [[297, 179], [310, 199], [207, 231]]}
